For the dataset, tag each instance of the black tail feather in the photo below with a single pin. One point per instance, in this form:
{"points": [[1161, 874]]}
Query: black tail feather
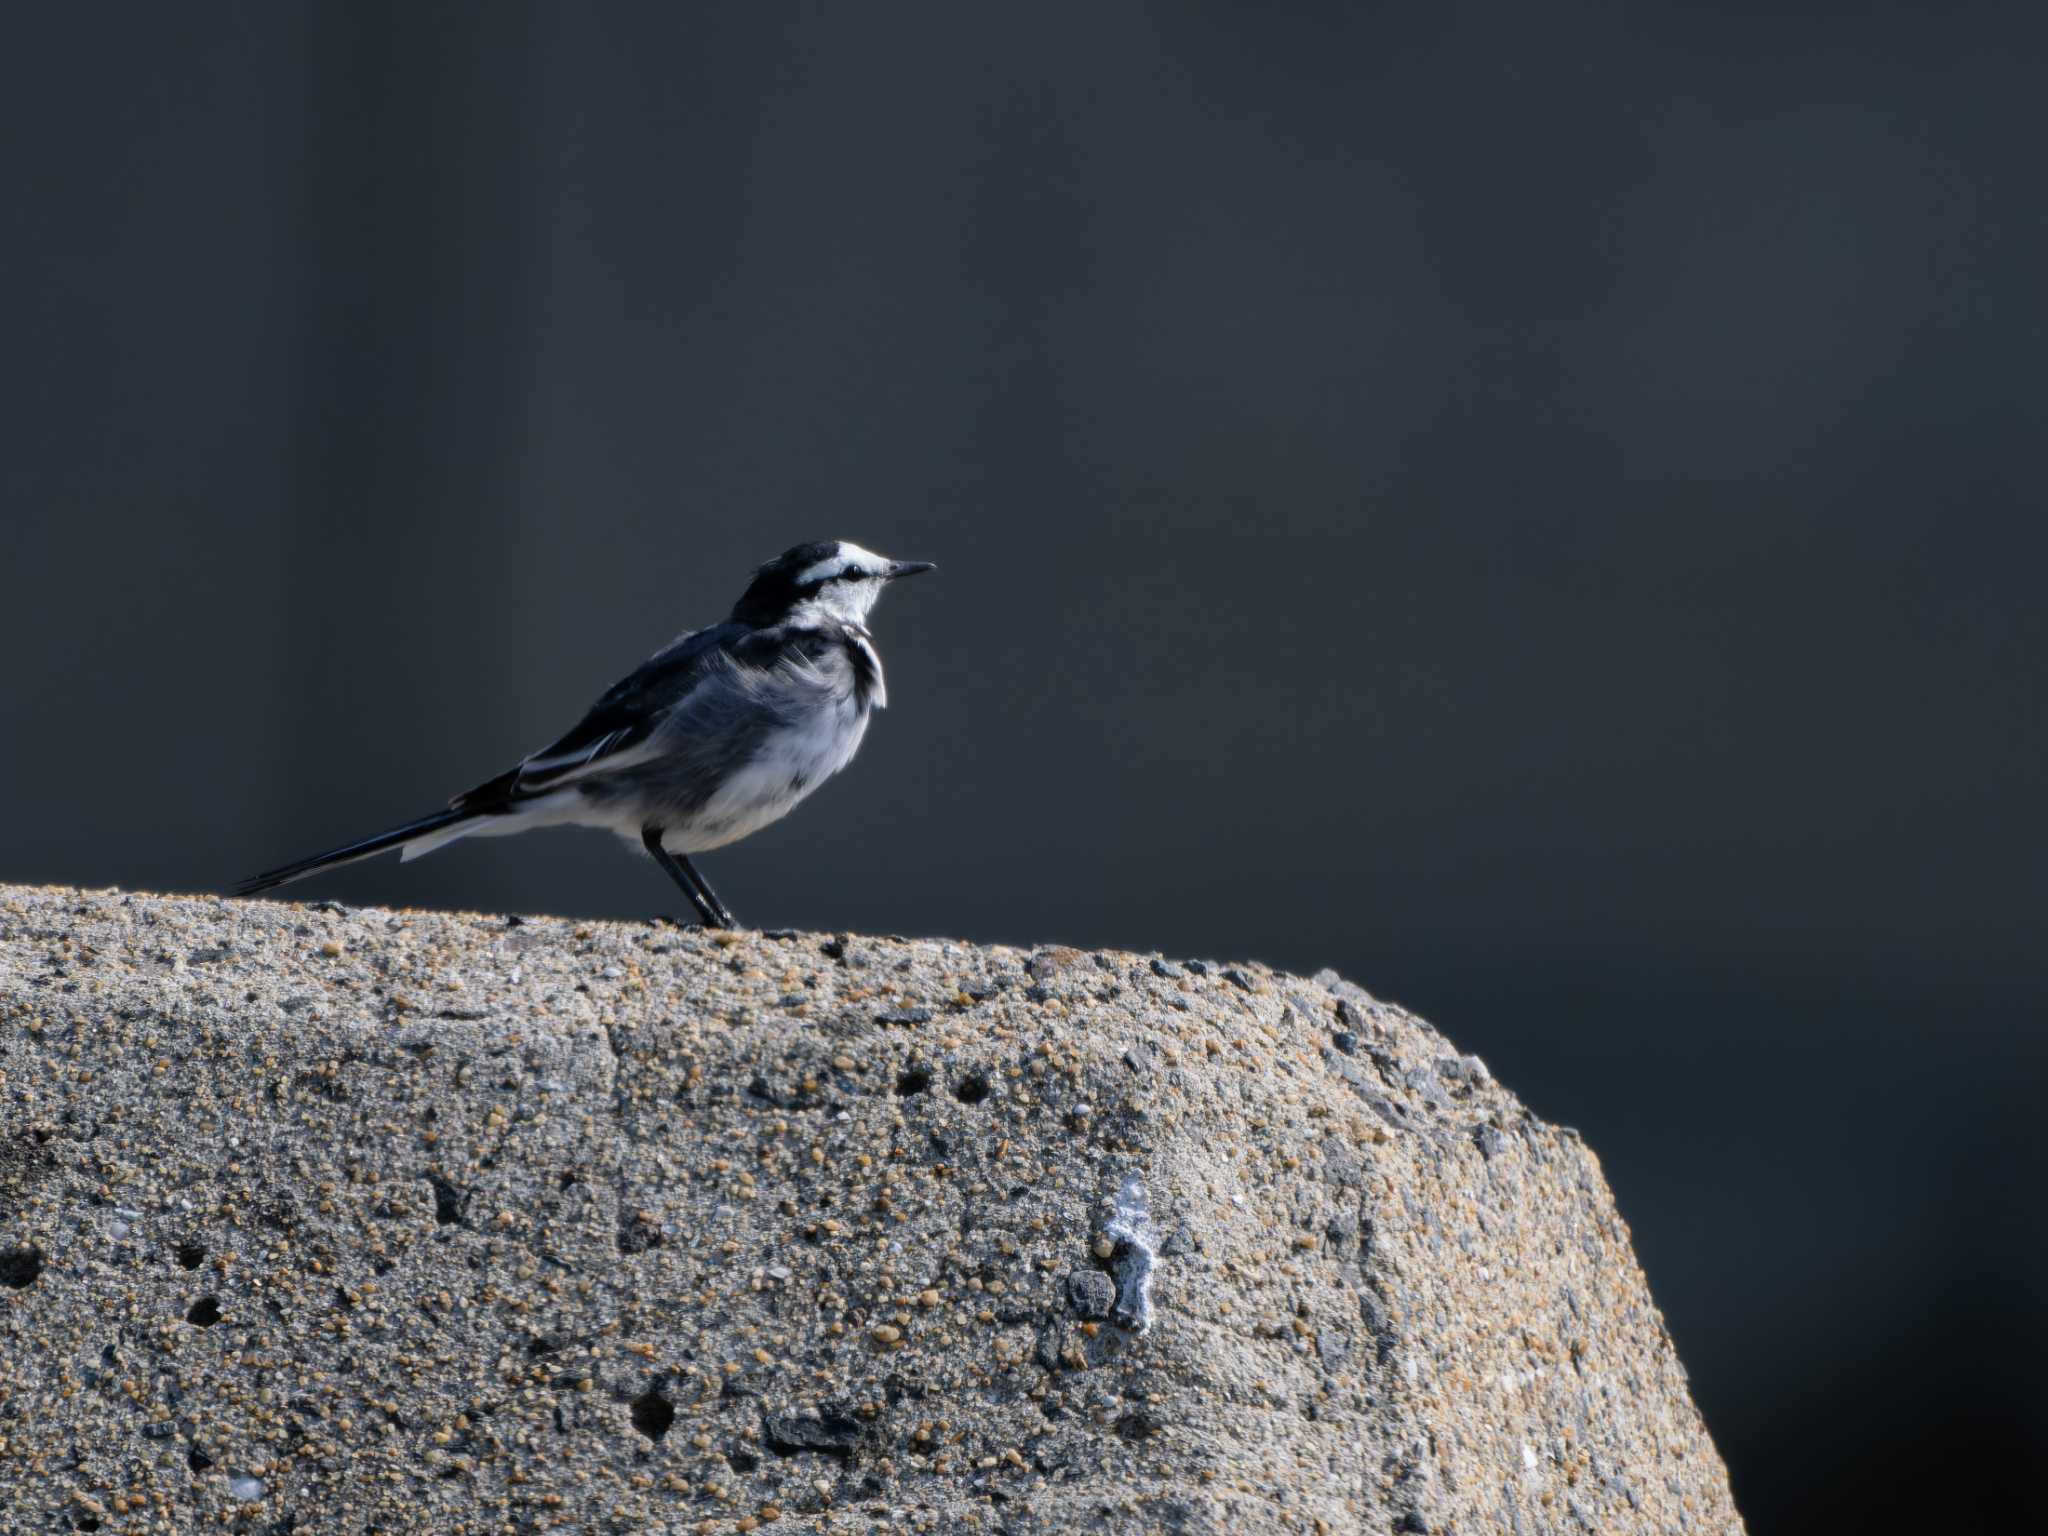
{"points": [[348, 853]]}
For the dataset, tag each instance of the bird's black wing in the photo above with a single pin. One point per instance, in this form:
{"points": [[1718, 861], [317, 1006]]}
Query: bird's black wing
{"points": [[616, 724]]}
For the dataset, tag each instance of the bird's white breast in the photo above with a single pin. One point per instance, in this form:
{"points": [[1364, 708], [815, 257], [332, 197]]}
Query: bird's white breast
{"points": [[792, 763]]}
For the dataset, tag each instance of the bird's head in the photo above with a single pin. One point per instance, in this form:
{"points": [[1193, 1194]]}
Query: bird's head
{"points": [[831, 579]]}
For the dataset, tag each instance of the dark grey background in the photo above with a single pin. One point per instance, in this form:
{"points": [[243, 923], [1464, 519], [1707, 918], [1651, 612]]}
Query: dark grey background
{"points": [[1536, 506]]}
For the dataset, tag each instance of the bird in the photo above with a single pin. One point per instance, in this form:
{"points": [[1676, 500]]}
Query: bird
{"points": [[721, 732]]}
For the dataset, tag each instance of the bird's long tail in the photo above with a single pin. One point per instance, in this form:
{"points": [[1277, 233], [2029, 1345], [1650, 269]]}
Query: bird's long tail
{"points": [[415, 838]]}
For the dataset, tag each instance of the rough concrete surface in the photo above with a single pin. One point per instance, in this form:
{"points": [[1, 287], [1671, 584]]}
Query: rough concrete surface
{"points": [[319, 1220]]}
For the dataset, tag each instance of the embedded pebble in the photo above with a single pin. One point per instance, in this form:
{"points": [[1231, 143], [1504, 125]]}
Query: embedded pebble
{"points": [[1091, 1293]]}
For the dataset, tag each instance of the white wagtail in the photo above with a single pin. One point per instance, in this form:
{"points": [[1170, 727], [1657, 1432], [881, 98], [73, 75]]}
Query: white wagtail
{"points": [[711, 738]]}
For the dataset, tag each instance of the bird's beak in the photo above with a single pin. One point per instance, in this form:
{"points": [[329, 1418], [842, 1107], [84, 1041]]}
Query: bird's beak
{"points": [[909, 568]]}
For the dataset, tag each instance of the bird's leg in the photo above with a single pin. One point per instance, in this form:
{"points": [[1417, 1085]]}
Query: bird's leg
{"points": [[725, 918], [678, 869]]}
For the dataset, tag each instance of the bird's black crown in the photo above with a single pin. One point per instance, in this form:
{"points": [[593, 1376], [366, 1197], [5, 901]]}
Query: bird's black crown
{"points": [[775, 588]]}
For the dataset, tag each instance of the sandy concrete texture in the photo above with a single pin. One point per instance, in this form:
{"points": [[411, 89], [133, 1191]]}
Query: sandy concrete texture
{"points": [[329, 1220]]}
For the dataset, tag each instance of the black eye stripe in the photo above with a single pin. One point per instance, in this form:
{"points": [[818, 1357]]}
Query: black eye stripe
{"points": [[851, 573]]}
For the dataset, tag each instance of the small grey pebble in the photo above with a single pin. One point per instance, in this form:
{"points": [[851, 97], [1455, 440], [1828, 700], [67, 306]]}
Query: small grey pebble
{"points": [[1491, 1142], [1340, 1165], [1345, 1041], [246, 1489], [1334, 1347], [1462, 1069], [1377, 1319], [1167, 969], [1423, 1084], [1091, 1293]]}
